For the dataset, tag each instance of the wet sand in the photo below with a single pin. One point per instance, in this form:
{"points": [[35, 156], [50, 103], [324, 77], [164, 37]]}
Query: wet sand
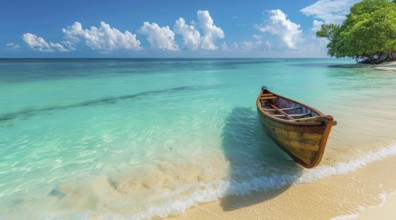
{"points": [[385, 211], [339, 197]]}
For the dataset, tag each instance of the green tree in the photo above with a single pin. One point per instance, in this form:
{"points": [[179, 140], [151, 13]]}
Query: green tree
{"points": [[368, 34]]}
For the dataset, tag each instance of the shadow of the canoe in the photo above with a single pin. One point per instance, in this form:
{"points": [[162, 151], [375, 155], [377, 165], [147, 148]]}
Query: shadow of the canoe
{"points": [[256, 164]]}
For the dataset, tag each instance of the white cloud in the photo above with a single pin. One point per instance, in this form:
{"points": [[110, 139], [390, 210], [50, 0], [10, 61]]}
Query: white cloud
{"points": [[200, 34], [316, 25], [279, 25], [58, 47], [35, 42], [191, 37], [161, 38], [330, 11], [211, 31], [104, 38], [246, 45], [39, 44], [257, 44], [13, 46]]}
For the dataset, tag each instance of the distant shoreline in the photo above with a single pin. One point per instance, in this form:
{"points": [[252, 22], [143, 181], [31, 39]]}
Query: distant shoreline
{"points": [[383, 66]]}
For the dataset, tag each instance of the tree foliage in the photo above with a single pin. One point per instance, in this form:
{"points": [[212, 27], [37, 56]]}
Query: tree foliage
{"points": [[368, 34]]}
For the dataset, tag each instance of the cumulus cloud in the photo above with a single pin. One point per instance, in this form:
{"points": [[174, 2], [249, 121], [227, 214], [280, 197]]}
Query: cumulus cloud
{"points": [[210, 30], [161, 38], [191, 36], [104, 38], [200, 34], [39, 44], [330, 11], [193, 39], [278, 25]]}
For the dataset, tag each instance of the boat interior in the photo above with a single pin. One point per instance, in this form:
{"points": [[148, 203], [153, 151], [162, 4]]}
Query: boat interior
{"points": [[279, 107]]}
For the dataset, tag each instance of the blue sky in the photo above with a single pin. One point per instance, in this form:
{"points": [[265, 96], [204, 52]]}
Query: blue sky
{"points": [[166, 28]]}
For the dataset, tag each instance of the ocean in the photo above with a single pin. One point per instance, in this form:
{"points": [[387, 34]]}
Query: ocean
{"points": [[150, 138]]}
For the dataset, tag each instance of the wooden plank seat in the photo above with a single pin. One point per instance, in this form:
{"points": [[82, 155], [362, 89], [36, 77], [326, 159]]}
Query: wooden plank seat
{"points": [[280, 111], [268, 97], [283, 109], [283, 113], [294, 115]]}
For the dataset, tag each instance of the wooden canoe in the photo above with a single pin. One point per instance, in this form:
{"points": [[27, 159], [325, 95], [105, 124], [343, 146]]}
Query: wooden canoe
{"points": [[300, 130]]}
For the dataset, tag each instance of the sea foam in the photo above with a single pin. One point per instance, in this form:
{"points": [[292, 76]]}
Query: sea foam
{"points": [[346, 167]]}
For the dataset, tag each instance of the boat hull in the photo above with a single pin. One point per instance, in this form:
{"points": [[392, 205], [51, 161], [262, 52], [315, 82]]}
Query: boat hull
{"points": [[304, 140]]}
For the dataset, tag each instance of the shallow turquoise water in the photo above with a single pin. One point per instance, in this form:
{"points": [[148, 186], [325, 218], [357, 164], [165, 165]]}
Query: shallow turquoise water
{"points": [[146, 138]]}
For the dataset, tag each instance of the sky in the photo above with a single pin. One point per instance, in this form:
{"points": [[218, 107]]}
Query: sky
{"points": [[166, 28]]}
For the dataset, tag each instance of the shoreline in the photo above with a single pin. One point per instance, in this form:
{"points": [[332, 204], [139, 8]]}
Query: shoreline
{"points": [[388, 66], [357, 194], [383, 66]]}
